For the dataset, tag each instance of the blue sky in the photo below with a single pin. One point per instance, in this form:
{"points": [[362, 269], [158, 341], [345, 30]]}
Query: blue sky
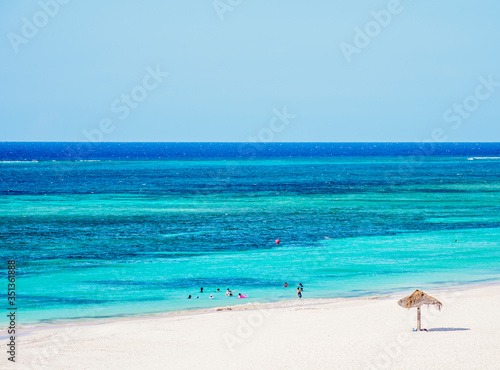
{"points": [[421, 76]]}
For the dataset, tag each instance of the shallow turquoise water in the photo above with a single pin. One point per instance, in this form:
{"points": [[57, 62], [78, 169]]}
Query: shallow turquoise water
{"points": [[110, 238]]}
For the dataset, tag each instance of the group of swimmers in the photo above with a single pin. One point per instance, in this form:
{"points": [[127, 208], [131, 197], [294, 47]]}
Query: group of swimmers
{"points": [[300, 289], [229, 293]]}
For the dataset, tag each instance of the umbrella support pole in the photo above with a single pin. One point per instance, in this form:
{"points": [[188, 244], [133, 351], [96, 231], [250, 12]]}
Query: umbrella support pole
{"points": [[418, 319]]}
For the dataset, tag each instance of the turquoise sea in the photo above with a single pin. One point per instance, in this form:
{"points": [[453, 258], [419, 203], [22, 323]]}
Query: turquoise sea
{"points": [[107, 230]]}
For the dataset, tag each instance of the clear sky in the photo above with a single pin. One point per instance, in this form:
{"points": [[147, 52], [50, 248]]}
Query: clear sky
{"points": [[413, 70]]}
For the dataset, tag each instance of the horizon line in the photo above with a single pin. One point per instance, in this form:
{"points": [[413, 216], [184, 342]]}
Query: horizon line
{"points": [[252, 142]]}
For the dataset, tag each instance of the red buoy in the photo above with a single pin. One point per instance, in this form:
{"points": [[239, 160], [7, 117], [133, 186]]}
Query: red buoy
{"points": [[277, 241]]}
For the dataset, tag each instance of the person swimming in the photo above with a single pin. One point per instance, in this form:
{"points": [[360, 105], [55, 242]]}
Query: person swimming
{"points": [[218, 290], [286, 285], [211, 296], [189, 297]]}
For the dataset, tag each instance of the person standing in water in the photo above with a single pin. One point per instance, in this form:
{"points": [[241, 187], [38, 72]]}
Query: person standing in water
{"points": [[201, 290], [299, 294]]}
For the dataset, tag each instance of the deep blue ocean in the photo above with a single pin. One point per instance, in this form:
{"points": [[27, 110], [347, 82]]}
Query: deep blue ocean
{"points": [[113, 229]]}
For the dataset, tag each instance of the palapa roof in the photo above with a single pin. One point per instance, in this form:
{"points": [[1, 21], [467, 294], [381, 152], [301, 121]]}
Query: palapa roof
{"points": [[417, 299]]}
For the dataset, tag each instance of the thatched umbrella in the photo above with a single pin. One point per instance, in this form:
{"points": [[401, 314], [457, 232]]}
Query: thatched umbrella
{"points": [[417, 299]]}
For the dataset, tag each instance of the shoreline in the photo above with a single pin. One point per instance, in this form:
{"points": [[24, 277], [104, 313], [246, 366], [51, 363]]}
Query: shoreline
{"points": [[249, 306], [347, 333]]}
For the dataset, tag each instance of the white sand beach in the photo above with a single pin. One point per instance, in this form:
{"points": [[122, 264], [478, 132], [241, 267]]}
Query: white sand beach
{"points": [[356, 333]]}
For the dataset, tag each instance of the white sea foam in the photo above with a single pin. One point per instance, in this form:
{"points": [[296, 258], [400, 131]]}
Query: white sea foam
{"points": [[18, 161], [53, 160]]}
